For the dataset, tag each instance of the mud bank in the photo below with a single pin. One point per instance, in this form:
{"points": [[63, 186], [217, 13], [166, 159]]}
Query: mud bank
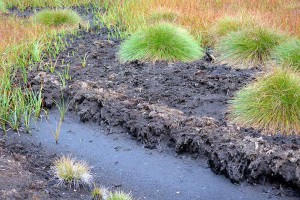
{"points": [[120, 163], [183, 105]]}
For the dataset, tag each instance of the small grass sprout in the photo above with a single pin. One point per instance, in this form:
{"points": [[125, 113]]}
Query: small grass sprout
{"points": [[72, 172], [163, 41], [36, 51], [99, 193], [56, 133], [62, 17], [27, 114], [119, 195], [84, 59], [36, 100], [52, 64], [63, 79], [288, 54], [272, 103], [248, 47]]}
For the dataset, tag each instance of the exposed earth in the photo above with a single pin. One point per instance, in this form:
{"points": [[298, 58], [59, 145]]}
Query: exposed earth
{"points": [[119, 163], [26, 174], [180, 106], [184, 105]]}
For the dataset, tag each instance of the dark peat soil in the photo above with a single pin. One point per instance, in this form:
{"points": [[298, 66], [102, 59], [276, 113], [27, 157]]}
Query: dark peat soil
{"points": [[26, 173], [183, 105]]}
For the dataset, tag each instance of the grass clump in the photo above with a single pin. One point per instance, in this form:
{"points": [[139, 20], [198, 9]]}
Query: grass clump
{"points": [[2, 6], [288, 54], [198, 16], [99, 193], [163, 41], [163, 14], [119, 196], [57, 17], [23, 4], [72, 172], [248, 47], [230, 24], [272, 103]]}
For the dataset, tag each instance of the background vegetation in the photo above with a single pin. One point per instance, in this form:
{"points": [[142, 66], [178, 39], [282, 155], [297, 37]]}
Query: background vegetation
{"points": [[57, 17], [199, 16], [23, 4], [288, 53]]}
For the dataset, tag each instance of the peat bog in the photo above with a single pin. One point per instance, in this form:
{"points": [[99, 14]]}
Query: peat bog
{"points": [[169, 106], [183, 105]]}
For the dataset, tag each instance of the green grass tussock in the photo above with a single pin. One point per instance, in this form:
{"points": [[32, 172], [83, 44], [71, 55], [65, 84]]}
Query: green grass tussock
{"points": [[119, 196], [57, 17], [163, 41], [288, 54], [2, 6], [23, 4], [229, 24], [272, 103], [248, 47], [163, 14]]}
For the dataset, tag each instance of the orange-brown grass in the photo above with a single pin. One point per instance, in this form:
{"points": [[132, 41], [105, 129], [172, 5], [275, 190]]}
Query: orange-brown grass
{"points": [[16, 34], [200, 15]]}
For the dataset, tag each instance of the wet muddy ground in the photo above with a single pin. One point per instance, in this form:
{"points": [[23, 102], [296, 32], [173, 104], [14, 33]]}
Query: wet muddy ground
{"points": [[119, 163], [182, 105], [26, 174], [175, 105]]}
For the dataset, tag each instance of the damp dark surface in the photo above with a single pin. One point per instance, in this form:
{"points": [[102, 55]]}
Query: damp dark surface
{"points": [[120, 163], [183, 105]]}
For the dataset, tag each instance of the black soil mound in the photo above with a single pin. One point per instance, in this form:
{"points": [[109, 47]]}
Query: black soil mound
{"points": [[184, 105]]}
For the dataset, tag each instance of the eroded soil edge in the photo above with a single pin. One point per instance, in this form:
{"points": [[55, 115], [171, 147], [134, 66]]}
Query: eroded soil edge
{"points": [[182, 104]]}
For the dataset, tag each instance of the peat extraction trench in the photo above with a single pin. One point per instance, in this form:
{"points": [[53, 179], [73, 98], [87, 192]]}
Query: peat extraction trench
{"points": [[119, 162], [182, 104]]}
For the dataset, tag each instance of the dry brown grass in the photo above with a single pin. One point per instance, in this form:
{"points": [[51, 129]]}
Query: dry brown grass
{"points": [[15, 33], [200, 15]]}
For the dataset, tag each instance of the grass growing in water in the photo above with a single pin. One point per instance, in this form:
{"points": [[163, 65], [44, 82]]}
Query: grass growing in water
{"points": [[72, 172], [288, 54], [162, 41], [272, 103], [57, 17], [248, 47]]}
